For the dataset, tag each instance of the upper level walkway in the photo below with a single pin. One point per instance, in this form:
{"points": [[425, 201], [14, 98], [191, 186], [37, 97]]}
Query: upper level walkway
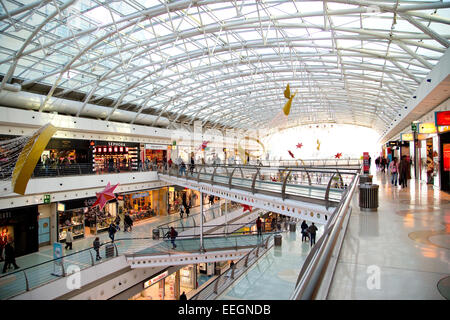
{"points": [[400, 251], [309, 193]]}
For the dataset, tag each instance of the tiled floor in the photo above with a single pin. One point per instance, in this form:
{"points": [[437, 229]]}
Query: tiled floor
{"points": [[400, 251]]}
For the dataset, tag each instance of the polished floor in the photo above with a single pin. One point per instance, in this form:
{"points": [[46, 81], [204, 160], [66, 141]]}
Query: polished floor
{"points": [[401, 251]]}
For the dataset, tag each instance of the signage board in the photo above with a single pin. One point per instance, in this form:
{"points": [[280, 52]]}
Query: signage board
{"points": [[57, 252], [442, 129], [410, 136], [155, 279], [442, 118], [61, 206], [446, 156], [427, 127], [413, 127], [366, 162], [155, 147], [46, 198]]}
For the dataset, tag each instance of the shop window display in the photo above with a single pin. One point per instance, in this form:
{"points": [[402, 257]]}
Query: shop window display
{"points": [[71, 219]]}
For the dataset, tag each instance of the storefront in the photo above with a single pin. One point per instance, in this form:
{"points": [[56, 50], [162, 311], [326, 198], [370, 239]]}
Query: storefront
{"points": [[442, 156], [110, 156], [178, 195], [20, 225], [83, 219], [155, 155], [143, 205], [67, 151]]}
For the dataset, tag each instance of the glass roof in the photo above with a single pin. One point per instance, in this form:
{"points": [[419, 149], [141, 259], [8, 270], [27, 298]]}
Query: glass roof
{"points": [[227, 62]]}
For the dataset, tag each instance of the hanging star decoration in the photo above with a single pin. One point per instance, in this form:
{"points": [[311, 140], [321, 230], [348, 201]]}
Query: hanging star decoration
{"points": [[338, 155], [318, 144], [106, 195], [299, 145], [291, 154], [246, 207], [203, 145]]}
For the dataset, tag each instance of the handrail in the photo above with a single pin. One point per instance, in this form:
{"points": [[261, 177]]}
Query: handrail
{"points": [[312, 272], [213, 286]]}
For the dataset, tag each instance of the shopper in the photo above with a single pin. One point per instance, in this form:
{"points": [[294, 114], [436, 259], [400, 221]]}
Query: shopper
{"points": [[383, 164], [117, 222], [172, 234], [183, 296], [182, 168], [181, 211], [3, 242], [97, 248], [10, 257], [304, 227], [393, 169], [187, 207], [259, 226], [312, 232], [69, 239], [192, 166], [111, 231], [403, 168]]}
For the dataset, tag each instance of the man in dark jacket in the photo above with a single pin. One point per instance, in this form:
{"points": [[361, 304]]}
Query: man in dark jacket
{"points": [[312, 231], [10, 257], [173, 234], [127, 222], [304, 227], [111, 231], [259, 226], [97, 247]]}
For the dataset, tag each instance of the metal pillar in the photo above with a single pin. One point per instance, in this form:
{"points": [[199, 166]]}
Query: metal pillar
{"points": [[416, 156], [201, 222]]}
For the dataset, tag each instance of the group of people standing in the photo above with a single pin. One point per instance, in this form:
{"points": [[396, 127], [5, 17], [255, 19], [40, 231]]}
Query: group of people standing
{"points": [[400, 170], [309, 232]]}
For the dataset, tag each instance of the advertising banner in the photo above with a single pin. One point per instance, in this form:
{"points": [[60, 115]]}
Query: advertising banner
{"points": [[366, 162]]}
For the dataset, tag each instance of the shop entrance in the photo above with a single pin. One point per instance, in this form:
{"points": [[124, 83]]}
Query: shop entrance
{"points": [[445, 161]]}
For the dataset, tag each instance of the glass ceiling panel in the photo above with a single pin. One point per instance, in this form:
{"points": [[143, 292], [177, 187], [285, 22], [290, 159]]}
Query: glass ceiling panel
{"points": [[229, 52]]}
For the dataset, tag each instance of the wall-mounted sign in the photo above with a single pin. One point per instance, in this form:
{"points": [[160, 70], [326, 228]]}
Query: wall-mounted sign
{"points": [[442, 118], [46, 198], [140, 195], [446, 156], [393, 143], [427, 127], [442, 129], [410, 136], [413, 127], [156, 279], [61, 206], [155, 147], [366, 162]]}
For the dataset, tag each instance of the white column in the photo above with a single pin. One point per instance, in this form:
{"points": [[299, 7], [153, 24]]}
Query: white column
{"points": [[201, 221]]}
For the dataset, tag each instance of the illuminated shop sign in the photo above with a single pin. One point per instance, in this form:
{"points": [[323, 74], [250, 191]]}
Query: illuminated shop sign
{"points": [[442, 129], [427, 127], [442, 118], [155, 147], [116, 144], [410, 136], [156, 279]]}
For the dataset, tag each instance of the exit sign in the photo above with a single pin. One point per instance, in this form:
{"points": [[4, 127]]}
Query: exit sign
{"points": [[414, 127], [46, 198]]}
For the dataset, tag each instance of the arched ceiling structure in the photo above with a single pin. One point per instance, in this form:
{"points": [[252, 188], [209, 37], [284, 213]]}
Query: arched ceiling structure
{"points": [[227, 63]]}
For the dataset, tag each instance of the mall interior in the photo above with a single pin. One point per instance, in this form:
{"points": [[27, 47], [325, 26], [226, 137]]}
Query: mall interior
{"points": [[224, 150]]}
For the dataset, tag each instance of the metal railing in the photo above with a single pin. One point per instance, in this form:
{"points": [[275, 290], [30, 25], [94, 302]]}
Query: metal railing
{"points": [[193, 220], [329, 182], [224, 280], [310, 284]]}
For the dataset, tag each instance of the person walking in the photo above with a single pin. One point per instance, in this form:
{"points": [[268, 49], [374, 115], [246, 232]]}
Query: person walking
{"points": [[403, 167], [187, 208], [3, 242], [129, 222], [117, 222], [192, 166], [10, 257], [259, 226], [96, 245], [181, 211], [111, 231], [393, 169], [383, 164], [182, 168], [304, 227], [172, 234], [183, 296], [69, 239], [312, 231]]}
